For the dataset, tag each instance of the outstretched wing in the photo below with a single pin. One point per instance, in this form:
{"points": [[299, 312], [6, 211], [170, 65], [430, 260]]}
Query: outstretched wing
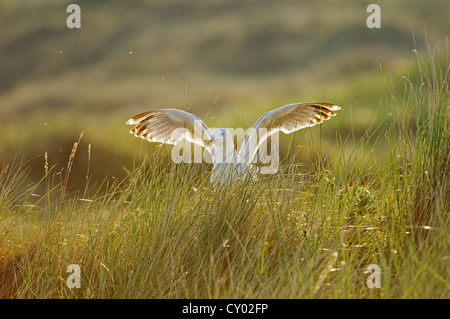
{"points": [[287, 119], [170, 126]]}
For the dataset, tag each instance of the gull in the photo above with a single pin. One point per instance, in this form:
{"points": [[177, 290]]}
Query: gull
{"points": [[171, 126]]}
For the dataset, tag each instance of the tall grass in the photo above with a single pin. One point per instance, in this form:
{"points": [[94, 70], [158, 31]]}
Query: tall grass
{"points": [[309, 231]]}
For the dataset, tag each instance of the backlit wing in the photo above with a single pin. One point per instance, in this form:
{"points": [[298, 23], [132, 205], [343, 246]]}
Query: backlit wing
{"points": [[170, 126], [287, 119]]}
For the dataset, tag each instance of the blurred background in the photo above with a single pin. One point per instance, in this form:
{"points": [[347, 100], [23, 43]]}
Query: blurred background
{"points": [[228, 62]]}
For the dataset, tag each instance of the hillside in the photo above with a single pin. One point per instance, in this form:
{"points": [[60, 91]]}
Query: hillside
{"points": [[221, 60]]}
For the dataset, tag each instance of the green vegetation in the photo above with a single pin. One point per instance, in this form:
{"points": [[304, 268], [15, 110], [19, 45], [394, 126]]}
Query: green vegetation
{"points": [[309, 231], [227, 60]]}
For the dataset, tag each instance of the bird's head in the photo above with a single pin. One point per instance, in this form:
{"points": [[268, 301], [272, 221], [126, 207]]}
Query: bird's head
{"points": [[221, 136], [222, 146]]}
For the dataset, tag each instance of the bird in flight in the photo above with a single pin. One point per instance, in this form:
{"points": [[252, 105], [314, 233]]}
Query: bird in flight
{"points": [[170, 126]]}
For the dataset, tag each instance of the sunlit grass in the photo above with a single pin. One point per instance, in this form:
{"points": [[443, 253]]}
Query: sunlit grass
{"points": [[309, 231]]}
